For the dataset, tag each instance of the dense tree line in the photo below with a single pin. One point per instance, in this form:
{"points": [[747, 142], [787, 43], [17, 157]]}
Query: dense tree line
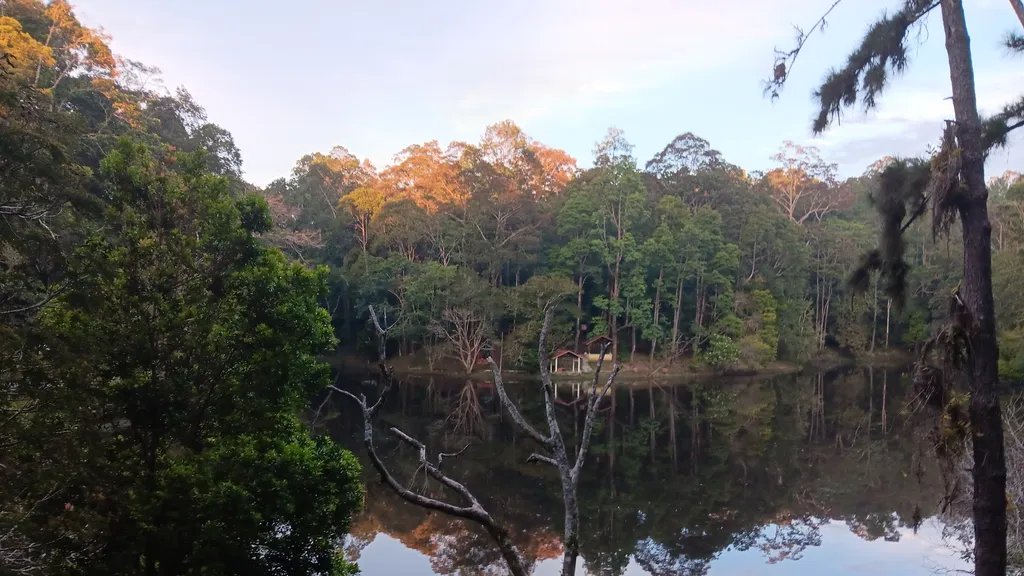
{"points": [[687, 257], [155, 354]]}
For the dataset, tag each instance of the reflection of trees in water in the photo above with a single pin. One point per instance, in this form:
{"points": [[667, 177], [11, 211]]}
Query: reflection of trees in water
{"points": [[466, 417], [788, 540], [658, 560], [675, 477]]}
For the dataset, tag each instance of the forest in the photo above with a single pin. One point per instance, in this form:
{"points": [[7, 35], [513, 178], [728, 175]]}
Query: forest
{"points": [[164, 324], [685, 258]]}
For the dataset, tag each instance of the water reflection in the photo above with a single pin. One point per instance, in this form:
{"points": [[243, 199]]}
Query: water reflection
{"points": [[797, 474]]}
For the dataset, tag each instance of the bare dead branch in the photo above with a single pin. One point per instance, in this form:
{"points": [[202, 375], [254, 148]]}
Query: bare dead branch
{"points": [[387, 372], [513, 411], [46, 299], [436, 473], [468, 512], [441, 456], [786, 59], [541, 458], [588, 424], [557, 444]]}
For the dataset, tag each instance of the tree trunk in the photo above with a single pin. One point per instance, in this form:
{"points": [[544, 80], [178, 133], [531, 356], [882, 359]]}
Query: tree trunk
{"points": [[989, 472], [572, 524], [508, 552], [613, 317], [611, 447], [888, 315], [650, 414], [698, 315], [753, 261], [871, 399], [874, 316], [672, 427], [885, 394], [632, 411], [817, 297], [579, 313], [675, 318], [656, 316], [1018, 9]]}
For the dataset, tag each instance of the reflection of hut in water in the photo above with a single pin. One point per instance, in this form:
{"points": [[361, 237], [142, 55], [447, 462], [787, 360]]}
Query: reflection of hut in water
{"points": [[594, 345], [567, 361], [576, 390]]}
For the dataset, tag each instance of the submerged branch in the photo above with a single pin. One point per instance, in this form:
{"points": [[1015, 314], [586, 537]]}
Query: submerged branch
{"points": [[472, 511]]}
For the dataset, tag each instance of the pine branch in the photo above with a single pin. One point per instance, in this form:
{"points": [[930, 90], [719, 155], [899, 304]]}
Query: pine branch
{"points": [[882, 53], [996, 129]]}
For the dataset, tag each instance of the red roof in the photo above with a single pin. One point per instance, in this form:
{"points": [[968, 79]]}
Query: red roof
{"points": [[596, 338], [561, 353]]}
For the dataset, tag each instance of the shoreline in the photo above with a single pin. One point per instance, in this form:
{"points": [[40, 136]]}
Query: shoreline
{"points": [[641, 371]]}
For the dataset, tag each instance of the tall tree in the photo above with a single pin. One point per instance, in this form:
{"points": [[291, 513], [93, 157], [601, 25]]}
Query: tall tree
{"points": [[617, 193], [954, 185], [804, 185]]}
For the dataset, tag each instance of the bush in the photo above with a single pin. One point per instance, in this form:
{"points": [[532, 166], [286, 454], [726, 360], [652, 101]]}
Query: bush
{"points": [[721, 352]]}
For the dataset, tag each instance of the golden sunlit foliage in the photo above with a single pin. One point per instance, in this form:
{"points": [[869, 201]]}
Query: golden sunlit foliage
{"points": [[23, 52]]}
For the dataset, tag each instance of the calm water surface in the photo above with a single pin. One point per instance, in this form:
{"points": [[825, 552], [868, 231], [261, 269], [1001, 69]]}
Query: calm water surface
{"points": [[809, 474]]}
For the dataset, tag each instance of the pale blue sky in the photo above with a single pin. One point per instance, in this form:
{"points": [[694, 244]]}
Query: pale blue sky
{"points": [[290, 78]]}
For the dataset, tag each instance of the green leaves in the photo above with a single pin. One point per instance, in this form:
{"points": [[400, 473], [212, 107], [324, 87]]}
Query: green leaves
{"points": [[198, 347]]}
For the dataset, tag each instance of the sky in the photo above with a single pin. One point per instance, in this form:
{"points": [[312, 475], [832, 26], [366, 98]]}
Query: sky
{"points": [[292, 78]]}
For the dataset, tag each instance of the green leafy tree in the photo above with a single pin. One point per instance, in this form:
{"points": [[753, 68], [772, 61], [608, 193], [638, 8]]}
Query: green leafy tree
{"points": [[617, 195], [580, 252], [44, 212], [181, 355]]}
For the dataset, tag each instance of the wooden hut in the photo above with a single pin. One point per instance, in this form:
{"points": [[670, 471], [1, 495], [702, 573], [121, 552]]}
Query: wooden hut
{"points": [[594, 345], [567, 361]]}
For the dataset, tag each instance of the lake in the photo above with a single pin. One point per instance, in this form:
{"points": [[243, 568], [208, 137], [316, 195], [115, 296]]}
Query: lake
{"points": [[797, 474]]}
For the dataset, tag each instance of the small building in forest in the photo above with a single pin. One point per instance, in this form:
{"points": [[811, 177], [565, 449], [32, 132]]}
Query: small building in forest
{"points": [[594, 346], [567, 361]]}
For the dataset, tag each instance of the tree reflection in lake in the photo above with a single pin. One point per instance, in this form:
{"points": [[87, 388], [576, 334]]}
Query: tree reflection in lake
{"points": [[681, 478]]}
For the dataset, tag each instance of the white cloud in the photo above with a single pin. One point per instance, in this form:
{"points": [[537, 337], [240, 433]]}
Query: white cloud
{"points": [[910, 120]]}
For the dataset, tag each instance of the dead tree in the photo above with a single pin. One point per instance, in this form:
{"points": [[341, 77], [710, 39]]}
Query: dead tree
{"points": [[552, 452]]}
